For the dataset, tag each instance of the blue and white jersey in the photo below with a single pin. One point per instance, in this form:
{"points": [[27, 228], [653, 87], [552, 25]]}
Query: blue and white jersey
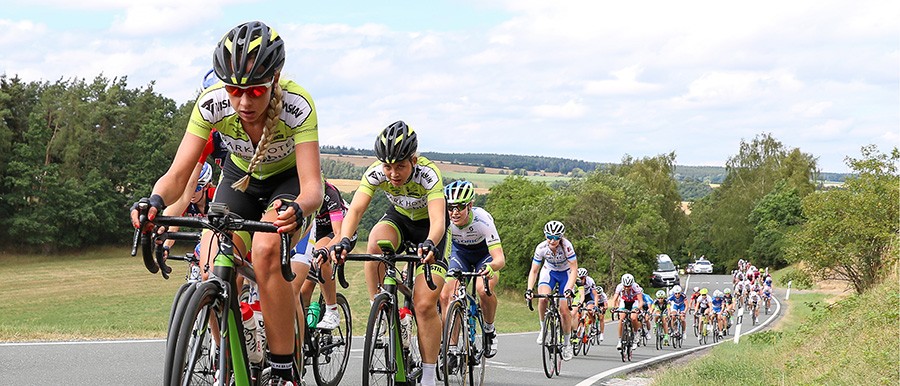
{"points": [[557, 260], [678, 300], [477, 237]]}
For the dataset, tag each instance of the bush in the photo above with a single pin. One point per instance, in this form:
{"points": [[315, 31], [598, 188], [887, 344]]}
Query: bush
{"points": [[801, 279]]}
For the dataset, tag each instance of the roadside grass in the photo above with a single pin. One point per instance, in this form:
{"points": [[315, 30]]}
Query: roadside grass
{"points": [[851, 342], [104, 293]]}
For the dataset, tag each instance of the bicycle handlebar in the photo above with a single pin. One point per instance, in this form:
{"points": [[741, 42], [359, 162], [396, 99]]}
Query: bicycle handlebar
{"points": [[459, 275], [217, 222], [551, 296], [386, 258]]}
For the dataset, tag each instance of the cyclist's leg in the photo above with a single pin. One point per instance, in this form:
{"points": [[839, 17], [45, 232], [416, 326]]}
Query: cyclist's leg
{"points": [[459, 263], [425, 302], [374, 272], [300, 264]]}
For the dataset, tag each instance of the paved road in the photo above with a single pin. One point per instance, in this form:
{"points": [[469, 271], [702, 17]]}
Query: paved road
{"points": [[139, 362]]}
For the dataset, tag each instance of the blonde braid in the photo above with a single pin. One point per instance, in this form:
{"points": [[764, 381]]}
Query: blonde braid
{"points": [[275, 105]]}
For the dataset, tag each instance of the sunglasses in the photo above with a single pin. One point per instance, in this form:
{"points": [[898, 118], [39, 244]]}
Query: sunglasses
{"points": [[552, 237], [199, 188], [457, 207], [255, 91]]}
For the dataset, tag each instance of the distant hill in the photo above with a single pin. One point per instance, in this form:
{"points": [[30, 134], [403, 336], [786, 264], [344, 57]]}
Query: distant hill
{"points": [[683, 173]]}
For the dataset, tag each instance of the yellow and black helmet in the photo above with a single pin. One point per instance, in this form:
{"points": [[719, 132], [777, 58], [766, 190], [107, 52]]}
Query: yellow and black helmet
{"points": [[249, 54], [396, 143]]}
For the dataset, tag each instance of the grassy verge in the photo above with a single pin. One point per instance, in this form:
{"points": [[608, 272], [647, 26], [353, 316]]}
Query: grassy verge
{"points": [[853, 341], [107, 294]]}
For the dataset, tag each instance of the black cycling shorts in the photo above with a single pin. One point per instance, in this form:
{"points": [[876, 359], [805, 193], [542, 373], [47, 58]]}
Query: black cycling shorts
{"points": [[417, 231], [252, 203]]}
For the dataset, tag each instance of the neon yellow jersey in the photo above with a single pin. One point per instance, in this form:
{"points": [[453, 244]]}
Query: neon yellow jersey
{"points": [[298, 123], [579, 294], [410, 199]]}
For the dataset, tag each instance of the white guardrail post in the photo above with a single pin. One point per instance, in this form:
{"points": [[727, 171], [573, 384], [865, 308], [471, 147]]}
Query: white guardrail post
{"points": [[788, 294], [737, 328]]}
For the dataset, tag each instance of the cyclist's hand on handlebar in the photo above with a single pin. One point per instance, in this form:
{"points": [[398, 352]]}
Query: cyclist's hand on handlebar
{"points": [[151, 207], [320, 256], [290, 216], [568, 293], [488, 271], [340, 250], [426, 251], [529, 294]]}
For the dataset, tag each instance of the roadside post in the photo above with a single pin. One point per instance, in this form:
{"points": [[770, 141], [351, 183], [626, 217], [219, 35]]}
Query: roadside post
{"points": [[788, 294], [737, 329]]}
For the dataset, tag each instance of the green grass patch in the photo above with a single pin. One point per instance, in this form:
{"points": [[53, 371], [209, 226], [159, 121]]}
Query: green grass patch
{"points": [[800, 279], [851, 342], [105, 293]]}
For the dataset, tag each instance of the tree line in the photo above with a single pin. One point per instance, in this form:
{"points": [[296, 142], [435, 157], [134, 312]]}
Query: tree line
{"points": [[75, 154]]}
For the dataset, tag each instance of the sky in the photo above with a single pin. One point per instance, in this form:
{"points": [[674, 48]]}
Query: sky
{"points": [[592, 80]]}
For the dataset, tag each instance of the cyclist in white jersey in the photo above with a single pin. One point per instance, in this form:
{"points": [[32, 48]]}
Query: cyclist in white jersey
{"points": [[628, 295], [475, 247], [555, 259]]}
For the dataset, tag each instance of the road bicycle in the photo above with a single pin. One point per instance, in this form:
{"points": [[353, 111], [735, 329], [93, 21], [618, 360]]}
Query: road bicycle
{"points": [[192, 354], [553, 339], [676, 335], [704, 330], [715, 326], [582, 339], [391, 354], [596, 327], [659, 332], [462, 356], [627, 333], [327, 351]]}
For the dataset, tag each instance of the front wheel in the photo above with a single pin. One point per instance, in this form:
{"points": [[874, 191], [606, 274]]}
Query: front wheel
{"points": [[455, 351], [548, 349], [193, 359], [333, 347], [381, 347]]}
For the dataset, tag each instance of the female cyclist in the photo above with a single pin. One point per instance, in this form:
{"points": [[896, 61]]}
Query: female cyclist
{"points": [[269, 126]]}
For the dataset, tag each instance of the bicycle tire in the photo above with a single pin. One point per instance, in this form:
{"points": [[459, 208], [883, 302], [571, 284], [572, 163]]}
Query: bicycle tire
{"points": [[659, 337], [193, 335], [455, 356], [575, 340], [479, 349], [560, 343], [585, 340], [380, 340], [547, 347], [175, 316], [332, 348]]}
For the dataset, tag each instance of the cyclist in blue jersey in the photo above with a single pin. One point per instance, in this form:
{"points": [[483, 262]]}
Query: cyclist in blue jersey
{"points": [[475, 247], [646, 310], [718, 307], [678, 304], [555, 264]]}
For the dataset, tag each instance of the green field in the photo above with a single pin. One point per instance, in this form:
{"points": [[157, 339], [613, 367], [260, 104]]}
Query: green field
{"points": [[107, 294]]}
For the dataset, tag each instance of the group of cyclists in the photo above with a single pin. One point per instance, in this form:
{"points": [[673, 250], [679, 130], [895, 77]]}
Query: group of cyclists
{"points": [[262, 130]]}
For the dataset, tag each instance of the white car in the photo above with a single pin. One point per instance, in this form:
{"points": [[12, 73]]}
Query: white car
{"points": [[702, 266]]}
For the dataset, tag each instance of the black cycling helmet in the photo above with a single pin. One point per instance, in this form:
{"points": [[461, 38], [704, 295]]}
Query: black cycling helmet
{"points": [[396, 143], [252, 42]]}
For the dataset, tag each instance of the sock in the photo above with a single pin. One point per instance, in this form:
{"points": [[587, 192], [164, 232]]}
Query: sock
{"points": [[489, 327], [568, 338], [332, 307], [281, 365], [428, 374]]}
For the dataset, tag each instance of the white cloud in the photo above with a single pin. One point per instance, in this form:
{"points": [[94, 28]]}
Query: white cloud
{"points": [[720, 87], [625, 83], [569, 110], [811, 109]]}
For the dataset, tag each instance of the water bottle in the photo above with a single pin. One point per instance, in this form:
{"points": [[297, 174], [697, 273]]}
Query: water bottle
{"points": [[260, 325], [405, 326], [313, 314], [251, 340]]}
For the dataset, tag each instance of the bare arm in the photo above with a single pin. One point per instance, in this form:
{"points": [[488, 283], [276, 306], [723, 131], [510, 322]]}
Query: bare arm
{"points": [[437, 213], [498, 259], [354, 213], [532, 274], [312, 192]]}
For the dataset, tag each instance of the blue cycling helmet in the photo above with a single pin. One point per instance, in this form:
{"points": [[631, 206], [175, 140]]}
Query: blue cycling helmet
{"points": [[205, 177], [209, 79]]}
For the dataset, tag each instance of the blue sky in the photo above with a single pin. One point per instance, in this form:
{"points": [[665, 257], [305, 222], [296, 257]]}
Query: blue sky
{"points": [[592, 80]]}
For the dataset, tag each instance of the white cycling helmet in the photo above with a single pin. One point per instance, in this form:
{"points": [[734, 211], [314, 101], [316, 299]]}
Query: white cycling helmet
{"points": [[582, 272], [696, 289], [676, 289], [717, 294], [627, 280], [206, 174], [660, 294], [554, 228]]}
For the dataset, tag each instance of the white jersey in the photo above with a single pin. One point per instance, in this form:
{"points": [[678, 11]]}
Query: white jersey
{"points": [[479, 234], [558, 260], [630, 294]]}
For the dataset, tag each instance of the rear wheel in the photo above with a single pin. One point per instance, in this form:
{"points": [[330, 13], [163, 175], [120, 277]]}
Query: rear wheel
{"points": [[585, 339], [333, 347], [380, 347], [455, 351]]}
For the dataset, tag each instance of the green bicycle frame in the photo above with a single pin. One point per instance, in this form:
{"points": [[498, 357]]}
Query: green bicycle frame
{"points": [[234, 333]]}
